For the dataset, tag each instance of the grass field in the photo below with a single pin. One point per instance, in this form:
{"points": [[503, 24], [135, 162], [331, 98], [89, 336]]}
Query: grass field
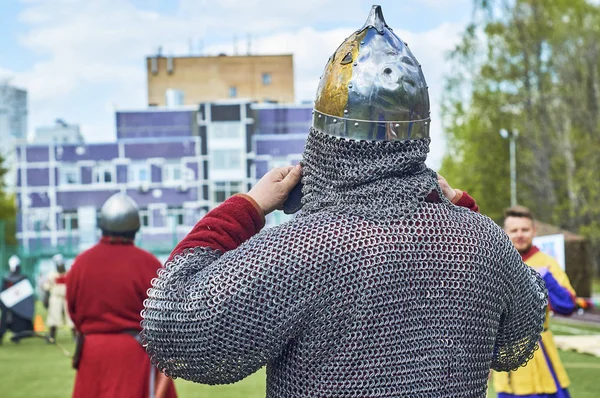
{"points": [[34, 369]]}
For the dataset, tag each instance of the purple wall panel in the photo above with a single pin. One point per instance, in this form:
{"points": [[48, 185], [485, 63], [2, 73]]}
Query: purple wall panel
{"points": [[164, 149], [170, 196], [39, 199], [37, 154], [261, 168], [38, 243], [91, 152], [284, 129], [154, 124], [37, 177], [121, 173], [86, 175], [279, 147], [73, 200], [19, 223], [156, 172], [72, 242], [284, 115]]}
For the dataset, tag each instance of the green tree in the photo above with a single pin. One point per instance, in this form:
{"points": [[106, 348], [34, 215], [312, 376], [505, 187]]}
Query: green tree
{"points": [[8, 209], [531, 66]]}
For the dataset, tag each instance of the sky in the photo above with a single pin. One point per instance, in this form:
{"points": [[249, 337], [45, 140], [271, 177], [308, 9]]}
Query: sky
{"points": [[81, 60]]}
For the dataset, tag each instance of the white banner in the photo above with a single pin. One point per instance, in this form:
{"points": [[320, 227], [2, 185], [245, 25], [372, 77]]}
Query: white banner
{"points": [[552, 245], [16, 293]]}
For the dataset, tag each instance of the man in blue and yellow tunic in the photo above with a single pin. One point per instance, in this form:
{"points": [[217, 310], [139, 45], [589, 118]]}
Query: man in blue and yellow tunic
{"points": [[544, 376]]}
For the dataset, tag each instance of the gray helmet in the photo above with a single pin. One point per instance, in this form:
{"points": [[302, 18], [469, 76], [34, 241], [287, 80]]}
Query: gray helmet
{"points": [[373, 88], [119, 214]]}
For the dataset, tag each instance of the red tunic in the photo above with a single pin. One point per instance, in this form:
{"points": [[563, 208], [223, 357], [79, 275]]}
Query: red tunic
{"points": [[106, 289]]}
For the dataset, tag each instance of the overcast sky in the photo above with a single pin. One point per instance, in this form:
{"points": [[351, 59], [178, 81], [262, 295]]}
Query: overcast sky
{"points": [[80, 60]]}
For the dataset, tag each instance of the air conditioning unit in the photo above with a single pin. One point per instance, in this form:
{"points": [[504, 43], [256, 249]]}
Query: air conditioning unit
{"points": [[183, 187], [144, 187]]}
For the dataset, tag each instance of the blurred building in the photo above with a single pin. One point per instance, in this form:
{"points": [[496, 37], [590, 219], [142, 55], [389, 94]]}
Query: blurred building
{"points": [[195, 79], [13, 126], [61, 132], [175, 163]]}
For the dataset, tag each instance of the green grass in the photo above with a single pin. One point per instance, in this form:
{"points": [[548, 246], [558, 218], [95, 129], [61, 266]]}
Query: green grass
{"points": [[569, 328], [34, 369], [583, 370]]}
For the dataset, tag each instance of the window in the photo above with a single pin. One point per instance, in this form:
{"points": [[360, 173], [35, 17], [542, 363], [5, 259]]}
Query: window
{"points": [[266, 79], [224, 189], [139, 173], [39, 220], [176, 217], [144, 218], [232, 92], [228, 130], [172, 173], [226, 159], [69, 221], [69, 175], [104, 174]]}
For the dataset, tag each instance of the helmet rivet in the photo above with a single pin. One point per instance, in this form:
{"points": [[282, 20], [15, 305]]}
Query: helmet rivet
{"points": [[396, 125], [345, 110], [319, 115], [356, 123], [335, 120]]}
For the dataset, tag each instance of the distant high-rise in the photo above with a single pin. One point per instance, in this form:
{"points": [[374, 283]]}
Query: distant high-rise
{"points": [[13, 126], [175, 81], [13, 112]]}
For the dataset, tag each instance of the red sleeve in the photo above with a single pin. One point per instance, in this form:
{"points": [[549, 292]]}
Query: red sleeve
{"points": [[71, 296], [463, 199], [225, 227]]}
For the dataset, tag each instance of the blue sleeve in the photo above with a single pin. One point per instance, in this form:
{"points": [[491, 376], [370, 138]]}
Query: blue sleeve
{"points": [[560, 298]]}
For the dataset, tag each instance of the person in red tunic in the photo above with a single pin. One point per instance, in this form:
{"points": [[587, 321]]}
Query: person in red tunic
{"points": [[106, 289]]}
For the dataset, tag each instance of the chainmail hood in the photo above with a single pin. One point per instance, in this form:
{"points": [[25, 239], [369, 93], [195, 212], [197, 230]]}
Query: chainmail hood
{"points": [[351, 175], [372, 291]]}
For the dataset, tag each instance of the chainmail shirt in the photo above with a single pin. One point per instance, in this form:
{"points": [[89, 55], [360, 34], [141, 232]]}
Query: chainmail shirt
{"points": [[373, 290]]}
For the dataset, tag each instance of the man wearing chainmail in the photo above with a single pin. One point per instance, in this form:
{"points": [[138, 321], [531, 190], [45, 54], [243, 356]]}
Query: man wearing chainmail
{"points": [[379, 287]]}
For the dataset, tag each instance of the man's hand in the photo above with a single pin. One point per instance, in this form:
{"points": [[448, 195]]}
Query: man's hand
{"points": [[448, 192], [271, 191]]}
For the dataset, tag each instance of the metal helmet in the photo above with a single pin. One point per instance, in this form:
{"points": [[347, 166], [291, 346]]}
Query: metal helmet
{"points": [[119, 214], [373, 88], [13, 262]]}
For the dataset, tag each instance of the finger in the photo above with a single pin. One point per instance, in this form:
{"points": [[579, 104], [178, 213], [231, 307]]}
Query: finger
{"points": [[294, 174], [282, 172]]}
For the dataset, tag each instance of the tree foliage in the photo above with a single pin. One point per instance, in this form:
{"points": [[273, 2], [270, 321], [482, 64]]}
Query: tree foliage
{"points": [[8, 210], [531, 66]]}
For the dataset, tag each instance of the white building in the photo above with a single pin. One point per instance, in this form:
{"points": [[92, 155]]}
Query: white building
{"points": [[60, 133]]}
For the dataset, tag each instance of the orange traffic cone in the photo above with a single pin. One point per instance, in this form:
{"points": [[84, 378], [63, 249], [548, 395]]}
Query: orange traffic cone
{"points": [[38, 324]]}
